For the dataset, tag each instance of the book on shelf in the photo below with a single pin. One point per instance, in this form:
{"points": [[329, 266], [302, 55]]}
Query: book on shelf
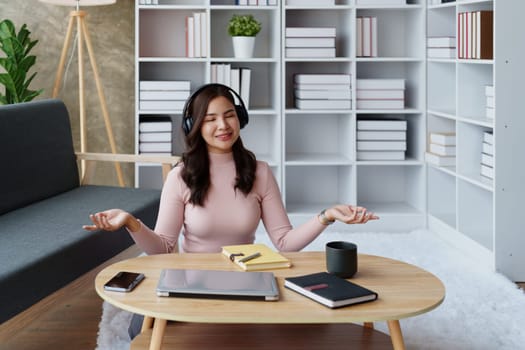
{"points": [[440, 160], [359, 36], [310, 52], [161, 105], [252, 2], [309, 32], [487, 148], [490, 112], [190, 36], [154, 147], [441, 41], [490, 101], [164, 85], [323, 104], [366, 30], [310, 42], [488, 137], [155, 137], [380, 104], [246, 77], [489, 90], [487, 171], [155, 126], [443, 138], [345, 87], [323, 94], [487, 159], [484, 34], [164, 94], [381, 135], [475, 40], [204, 34], [380, 94], [442, 150], [310, 2], [235, 80], [380, 84], [330, 290], [197, 34], [322, 78], [441, 52], [381, 145], [264, 257], [380, 155], [385, 124], [380, 2]]}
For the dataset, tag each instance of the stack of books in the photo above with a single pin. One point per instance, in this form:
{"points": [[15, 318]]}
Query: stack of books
{"points": [[475, 37], [441, 149], [489, 105], [310, 42], [487, 155], [196, 35], [239, 79], [322, 91], [163, 95], [256, 2], [366, 36], [155, 135], [383, 139], [441, 47], [380, 93]]}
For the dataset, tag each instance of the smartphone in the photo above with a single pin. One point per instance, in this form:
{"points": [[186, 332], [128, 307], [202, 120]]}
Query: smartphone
{"points": [[124, 281]]}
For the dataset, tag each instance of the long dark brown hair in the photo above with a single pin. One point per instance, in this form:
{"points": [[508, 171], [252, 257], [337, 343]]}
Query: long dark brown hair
{"points": [[196, 171]]}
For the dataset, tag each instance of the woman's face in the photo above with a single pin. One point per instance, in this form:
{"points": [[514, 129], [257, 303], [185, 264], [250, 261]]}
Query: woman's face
{"points": [[220, 127]]}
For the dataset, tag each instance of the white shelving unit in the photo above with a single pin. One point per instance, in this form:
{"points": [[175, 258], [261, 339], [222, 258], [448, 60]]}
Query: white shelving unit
{"points": [[470, 211], [313, 153]]}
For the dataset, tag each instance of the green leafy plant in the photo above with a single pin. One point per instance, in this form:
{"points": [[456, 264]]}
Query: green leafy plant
{"points": [[16, 64], [243, 25]]}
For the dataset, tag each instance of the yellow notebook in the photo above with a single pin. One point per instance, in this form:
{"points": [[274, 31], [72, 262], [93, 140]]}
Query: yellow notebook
{"points": [[259, 257]]}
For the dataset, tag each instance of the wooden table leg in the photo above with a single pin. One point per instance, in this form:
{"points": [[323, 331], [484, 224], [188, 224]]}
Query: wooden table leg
{"points": [[159, 326], [396, 335], [147, 323]]}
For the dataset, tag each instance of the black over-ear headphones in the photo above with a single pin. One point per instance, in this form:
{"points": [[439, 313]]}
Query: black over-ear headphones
{"points": [[187, 119]]}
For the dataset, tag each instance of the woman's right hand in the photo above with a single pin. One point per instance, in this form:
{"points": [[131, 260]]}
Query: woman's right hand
{"points": [[112, 220]]}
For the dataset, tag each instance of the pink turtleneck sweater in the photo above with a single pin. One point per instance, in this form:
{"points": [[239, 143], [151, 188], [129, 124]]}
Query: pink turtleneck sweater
{"points": [[227, 217]]}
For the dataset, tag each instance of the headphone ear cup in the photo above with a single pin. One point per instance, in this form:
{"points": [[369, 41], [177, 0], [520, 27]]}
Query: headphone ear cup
{"points": [[187, 124], [242, 114]]}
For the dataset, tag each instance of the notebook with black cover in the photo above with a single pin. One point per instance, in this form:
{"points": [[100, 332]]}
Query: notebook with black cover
{"points": [[218, 284]]}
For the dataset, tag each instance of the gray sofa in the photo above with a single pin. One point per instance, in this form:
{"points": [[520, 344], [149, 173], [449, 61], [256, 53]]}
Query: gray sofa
{"points": [[43, 206]]}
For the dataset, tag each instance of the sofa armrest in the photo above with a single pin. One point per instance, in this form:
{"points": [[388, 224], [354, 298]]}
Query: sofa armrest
{"points": [[167, 162]]}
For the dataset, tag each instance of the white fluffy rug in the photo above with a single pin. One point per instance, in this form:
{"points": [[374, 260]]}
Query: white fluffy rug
{"points": [[482, 310]]}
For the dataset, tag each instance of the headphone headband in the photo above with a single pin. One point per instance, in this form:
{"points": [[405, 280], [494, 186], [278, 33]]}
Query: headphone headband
{"points": [[240, 109]]}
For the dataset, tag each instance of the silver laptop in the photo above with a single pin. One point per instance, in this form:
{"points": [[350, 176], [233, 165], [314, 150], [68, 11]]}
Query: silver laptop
{"points": [[218, 284]]}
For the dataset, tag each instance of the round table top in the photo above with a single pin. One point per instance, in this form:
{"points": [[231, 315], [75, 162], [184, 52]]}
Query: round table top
{"points": [[404, 290]]}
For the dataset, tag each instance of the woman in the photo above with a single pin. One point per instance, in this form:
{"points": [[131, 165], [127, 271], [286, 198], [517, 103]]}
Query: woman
{"points": [[220, 192]]}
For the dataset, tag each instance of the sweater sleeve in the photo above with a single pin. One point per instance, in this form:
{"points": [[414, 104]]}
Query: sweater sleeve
{"points": [[276, 221], [169, 220]]}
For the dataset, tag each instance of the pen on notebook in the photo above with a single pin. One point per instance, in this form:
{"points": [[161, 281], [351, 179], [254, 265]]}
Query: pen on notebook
{"points": [[250, 257]]}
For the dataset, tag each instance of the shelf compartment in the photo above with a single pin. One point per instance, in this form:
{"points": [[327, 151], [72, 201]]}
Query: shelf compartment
{"points": [[469, 149], [311, 188], [412, 72], [391, 189], [441, 77], [267, 42], [472, 79], [396, 23], [318, 138], [261, 136], [343, 21], [441, 189], [195, 72], [441, 21], [475, 213]]}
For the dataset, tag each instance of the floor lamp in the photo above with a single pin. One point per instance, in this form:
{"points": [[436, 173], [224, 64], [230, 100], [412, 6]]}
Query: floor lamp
{"points": [[77, 16]]}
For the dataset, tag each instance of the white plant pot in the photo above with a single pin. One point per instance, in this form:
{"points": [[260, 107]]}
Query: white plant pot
{"points": [[243, 46]]}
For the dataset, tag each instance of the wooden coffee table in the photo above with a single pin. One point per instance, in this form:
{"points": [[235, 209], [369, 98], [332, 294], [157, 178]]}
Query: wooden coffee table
{"points": [[404, 291]]}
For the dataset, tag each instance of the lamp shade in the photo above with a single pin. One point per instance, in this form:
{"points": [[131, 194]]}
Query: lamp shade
{"points": [[79, 2]]}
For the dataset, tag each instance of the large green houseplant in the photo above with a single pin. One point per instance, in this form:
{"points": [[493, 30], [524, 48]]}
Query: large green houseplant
{"points": [[16, 64], [243, 29]]}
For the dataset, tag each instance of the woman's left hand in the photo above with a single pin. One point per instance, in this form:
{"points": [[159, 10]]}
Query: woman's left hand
{"points": [[350, 214]]}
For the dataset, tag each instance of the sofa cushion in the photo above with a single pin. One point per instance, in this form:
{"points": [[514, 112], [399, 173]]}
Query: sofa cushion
{"points": [[36, 149], [43, 246]]}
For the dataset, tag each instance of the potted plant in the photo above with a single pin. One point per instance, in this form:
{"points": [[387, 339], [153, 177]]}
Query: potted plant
{"points": [[243, 29], [16, 64]]}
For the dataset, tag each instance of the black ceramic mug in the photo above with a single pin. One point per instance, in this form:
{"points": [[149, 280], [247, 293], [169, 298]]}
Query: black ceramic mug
{"points": [[341, 258]]}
